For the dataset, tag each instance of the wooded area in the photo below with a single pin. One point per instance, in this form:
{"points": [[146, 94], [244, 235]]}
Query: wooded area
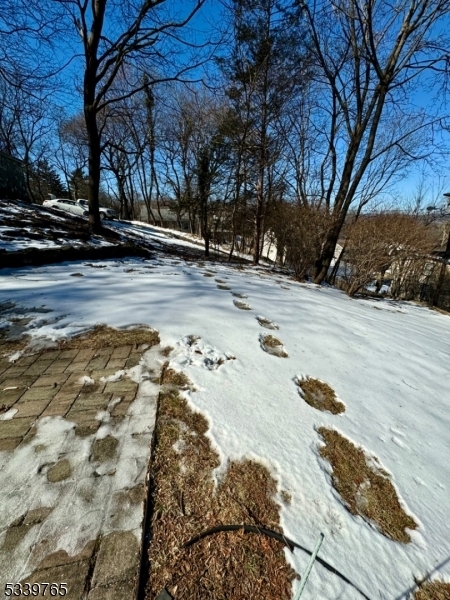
{"points": [[259, 123]]}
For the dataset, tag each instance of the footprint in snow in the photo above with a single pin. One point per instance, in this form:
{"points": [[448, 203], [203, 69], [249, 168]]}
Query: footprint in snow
{"points": [[272, 345], [397, 432], [237, 295], [267, 323], [242, 305], [223, 287], [399, 442], [203, 354], [319, 395]]}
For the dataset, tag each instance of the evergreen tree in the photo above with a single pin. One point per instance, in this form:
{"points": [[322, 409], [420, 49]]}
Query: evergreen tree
{"points": [[265, 72], [44, 180], [78, 184]]}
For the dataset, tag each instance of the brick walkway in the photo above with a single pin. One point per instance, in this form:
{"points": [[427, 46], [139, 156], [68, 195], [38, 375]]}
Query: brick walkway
{"points": [[75, 437]]}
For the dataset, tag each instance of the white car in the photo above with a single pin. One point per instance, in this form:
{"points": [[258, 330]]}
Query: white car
{"points": [[67, 206], [105, 213]]}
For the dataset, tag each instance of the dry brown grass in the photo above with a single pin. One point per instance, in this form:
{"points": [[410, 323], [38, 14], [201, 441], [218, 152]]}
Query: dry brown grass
{"points": [[365, 488], [433, 590], [103, 336], [10, 346], [442, 311], [267, 323], [320, 395], [191, 339], [272, 345], [286, 497], [226, 565], [242, 305], [172, 378]]}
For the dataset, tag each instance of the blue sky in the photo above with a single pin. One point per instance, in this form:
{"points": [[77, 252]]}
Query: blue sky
{"points": [[208, 19]]}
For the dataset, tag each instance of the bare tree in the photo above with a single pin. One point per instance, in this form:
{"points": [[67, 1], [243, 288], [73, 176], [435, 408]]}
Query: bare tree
{"points": [[394, 242], [299, 231], [25, 128], [263, 71], [368, 56], [72, 151], [124, 37]]}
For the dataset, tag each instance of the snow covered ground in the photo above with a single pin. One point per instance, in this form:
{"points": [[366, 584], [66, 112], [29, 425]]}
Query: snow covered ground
{"points": [[387, 361], [26, 226]]}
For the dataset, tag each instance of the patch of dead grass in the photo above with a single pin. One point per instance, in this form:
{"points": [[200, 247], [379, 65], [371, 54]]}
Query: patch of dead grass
{"points": [[267, 323], [229, 564], [103, 336], [173, 378], [433, 590], [286, 497], [365, 488], [8, 347], [319, 395], [242, 305], [272, 345]]}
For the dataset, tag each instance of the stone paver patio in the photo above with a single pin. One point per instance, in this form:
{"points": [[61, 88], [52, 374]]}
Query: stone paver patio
{"points": [[75, 437]]}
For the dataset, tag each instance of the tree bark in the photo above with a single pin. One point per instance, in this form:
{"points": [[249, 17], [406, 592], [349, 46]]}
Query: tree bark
{"points": [[442, 271], [94, 168], [203, 191]]}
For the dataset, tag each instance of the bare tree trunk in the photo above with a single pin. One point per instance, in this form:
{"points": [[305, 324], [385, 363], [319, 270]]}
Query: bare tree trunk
{"points": [[203, 190], [442, 271], [258, 217], [94, 168], [332, 277]]}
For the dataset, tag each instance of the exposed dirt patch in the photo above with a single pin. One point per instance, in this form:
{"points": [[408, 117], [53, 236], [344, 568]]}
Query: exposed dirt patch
{"points": [[272, 345], [365, 487], [433, 590], [226, 565], [319, 395], [267, 323], [104, 336]]}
